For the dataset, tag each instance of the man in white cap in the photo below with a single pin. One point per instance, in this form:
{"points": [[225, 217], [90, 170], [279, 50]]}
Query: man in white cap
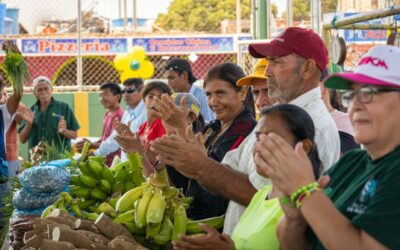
{"points": [[48, 119]]}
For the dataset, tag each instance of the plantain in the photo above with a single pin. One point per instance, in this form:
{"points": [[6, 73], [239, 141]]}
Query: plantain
{"points": [[180, 222], [84, 204], [84, 168], [104, 207], [81, 192], [48, 210], [165, 234], [100, 159], [135, 163], [126, 202], [107, 174], [105, 186], [88, 181], [120, 175], [156, 208], [98, 194], [116, 168], [75, 209], [85, 150], [193, 227], [75, 180], [95, 168], [127, 217], [152, 229], [141, 207], [90, 216], [117, 187]]}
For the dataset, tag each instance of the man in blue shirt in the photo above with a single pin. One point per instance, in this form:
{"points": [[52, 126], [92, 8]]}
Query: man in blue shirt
{"points": [[180, 79], [135, 114]]}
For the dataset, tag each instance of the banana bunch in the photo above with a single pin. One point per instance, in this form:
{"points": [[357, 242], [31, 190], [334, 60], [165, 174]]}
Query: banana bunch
{"points": [[97, 188], [64, 203], [157, 211]]}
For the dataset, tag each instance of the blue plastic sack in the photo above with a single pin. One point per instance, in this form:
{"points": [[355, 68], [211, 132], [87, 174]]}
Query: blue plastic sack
{"points": [[25, 200], [49, 178], [25, 212]]}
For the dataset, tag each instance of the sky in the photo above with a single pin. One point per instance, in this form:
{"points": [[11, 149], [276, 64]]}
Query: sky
{"points": [[146, 8]]}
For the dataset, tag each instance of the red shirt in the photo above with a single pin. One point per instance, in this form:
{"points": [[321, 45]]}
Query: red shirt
{"points": [[108, 127], [154, 131]]}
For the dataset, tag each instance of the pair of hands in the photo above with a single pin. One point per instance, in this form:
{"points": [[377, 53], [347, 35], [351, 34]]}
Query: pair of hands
{"points": [[186, 155], [28, 116], [288, 168], [174, 118], [211, 240], [128, 141]]}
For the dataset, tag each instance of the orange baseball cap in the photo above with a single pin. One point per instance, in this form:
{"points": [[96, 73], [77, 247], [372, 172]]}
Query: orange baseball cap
{"points": [[258, 73]]}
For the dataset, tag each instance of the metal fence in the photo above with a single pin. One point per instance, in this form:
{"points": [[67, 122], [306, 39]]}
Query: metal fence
{"points": [[47, 33]]}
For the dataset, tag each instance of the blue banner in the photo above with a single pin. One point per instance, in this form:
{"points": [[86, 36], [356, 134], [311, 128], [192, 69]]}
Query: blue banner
{"points": [[365, 35], [68, 46], [190, 44]]}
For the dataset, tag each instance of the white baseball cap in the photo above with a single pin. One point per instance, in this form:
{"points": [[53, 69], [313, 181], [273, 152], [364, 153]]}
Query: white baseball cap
{"points": [[40, 80], [380, 67]]}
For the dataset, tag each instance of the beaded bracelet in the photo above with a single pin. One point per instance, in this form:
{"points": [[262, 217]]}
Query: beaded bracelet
{"points": [[310, 187], [300, 199]]}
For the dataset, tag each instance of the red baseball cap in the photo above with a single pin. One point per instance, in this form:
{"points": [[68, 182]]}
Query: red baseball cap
{"points": [[303, 42]]}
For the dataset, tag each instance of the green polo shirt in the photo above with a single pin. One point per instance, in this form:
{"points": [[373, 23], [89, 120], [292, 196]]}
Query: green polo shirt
{"points": [[367, 192], [45, 125]]}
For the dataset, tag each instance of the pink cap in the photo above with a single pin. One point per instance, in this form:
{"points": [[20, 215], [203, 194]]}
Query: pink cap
{"points": [[380, 67]]}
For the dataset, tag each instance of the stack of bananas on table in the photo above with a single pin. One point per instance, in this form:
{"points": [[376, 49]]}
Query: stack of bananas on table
{"points": [[151, 210], [157, 211]]}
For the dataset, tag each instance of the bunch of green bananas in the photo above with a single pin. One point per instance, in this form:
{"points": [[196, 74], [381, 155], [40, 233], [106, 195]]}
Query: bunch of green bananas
{"points": [[157, 211], [97, 188], [64, 203]]}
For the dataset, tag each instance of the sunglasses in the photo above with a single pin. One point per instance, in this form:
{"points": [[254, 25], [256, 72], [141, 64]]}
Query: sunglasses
{"points": [[130, 90]]}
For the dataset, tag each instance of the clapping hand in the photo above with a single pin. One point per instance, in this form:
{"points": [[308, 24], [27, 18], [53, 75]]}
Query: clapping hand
{"points": [[25, 114]]}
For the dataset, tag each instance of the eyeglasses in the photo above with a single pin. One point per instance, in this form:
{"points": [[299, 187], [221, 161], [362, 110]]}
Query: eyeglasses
{"points": [[130, 90], [364, 95]]}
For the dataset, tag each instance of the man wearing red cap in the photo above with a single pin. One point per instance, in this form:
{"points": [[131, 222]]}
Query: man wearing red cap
{"points": [[296, 59]]}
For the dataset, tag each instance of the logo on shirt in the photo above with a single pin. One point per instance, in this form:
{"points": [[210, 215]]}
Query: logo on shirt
{"points": [[366, 195]]}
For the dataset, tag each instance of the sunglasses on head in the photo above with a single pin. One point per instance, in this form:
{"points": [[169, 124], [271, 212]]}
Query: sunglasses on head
{"points": [[130, 90]]}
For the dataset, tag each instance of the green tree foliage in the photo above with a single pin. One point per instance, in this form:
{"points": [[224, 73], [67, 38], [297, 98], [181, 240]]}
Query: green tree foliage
{"points": [[201, 15], [301, 8]]}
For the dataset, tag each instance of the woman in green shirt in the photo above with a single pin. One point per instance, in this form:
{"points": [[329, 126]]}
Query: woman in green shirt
{"points": [[359, 208], [257, 226]]}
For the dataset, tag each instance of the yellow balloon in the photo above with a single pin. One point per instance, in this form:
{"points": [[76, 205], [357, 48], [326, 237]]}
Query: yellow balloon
{"points": [[126, 74], [122, 62], [146, 69], [137, 53]]}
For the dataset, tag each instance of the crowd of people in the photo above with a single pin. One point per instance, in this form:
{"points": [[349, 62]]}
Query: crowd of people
{"points": [[306, 175]]}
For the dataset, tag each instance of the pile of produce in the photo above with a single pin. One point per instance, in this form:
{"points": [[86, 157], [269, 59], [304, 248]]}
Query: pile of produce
{"points": [[41, 187], [15, 66], [59, 230], [112, 208]]}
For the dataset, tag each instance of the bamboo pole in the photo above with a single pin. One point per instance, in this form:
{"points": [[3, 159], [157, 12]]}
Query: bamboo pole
{"points": [[394, 10]]}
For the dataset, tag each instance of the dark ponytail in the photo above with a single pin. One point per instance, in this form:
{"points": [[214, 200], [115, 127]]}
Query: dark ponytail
{"points": [[301, 126]]}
